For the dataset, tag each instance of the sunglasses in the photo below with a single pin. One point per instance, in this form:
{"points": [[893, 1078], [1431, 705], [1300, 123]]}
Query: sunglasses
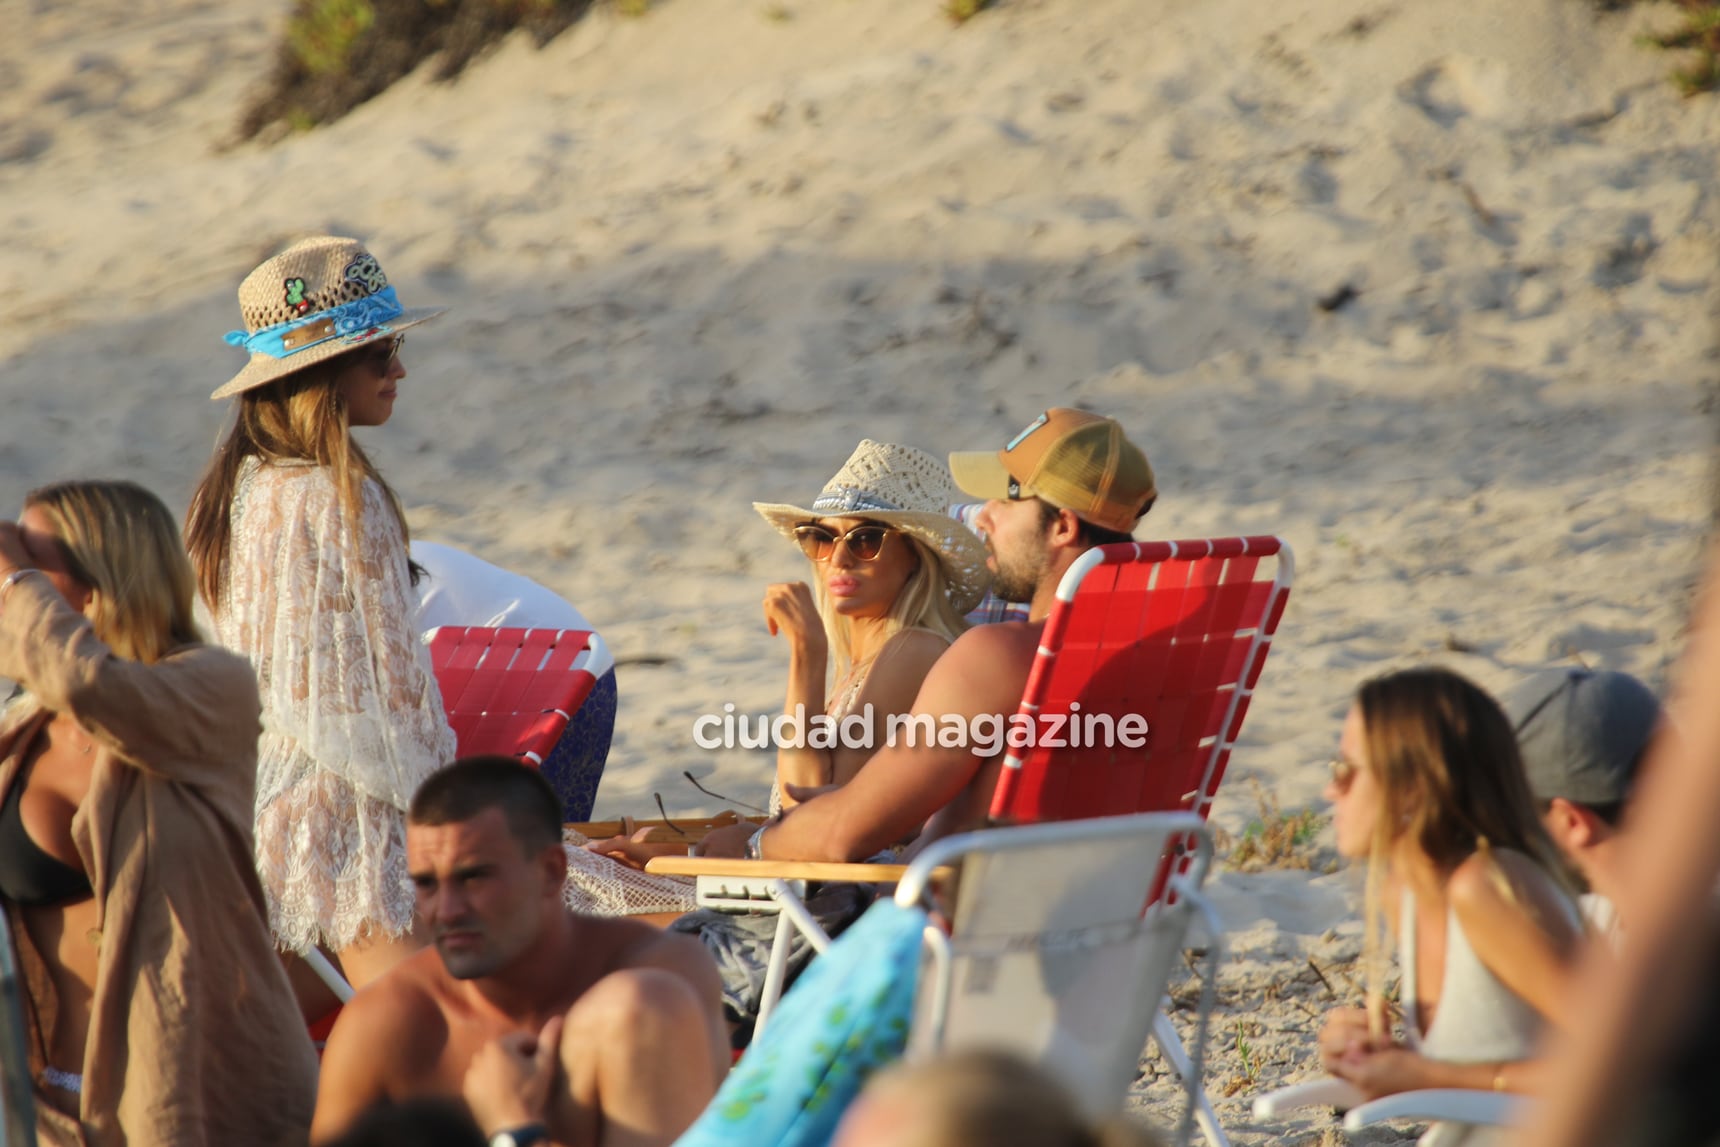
{"points": [[379, 354], [864, 543], [1343, 772]]}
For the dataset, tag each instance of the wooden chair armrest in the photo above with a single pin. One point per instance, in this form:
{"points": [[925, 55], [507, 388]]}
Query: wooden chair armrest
{"points": [[776, 869], [656, 848], [685, 831]]}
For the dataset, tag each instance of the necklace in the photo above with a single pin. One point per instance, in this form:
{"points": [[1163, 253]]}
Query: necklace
{"points": [[855, 668]]}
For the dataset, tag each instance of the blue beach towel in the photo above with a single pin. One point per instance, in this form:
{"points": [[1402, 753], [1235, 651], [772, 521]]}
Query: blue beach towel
{"points": [[846, 1017]]}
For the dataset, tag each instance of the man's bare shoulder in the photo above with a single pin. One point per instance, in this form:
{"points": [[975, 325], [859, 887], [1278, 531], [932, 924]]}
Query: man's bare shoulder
{"points": [[389, 1037], [640, 945], [984, 670], [636, 944], [407, 1003], [999, 637]]}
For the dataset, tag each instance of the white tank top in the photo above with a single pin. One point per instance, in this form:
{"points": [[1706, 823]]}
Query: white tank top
{"points": [[1480, 1020]]}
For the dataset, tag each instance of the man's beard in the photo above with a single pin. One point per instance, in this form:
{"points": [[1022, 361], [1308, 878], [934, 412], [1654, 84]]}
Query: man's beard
{"points": [[470, 965], [1017, 579]]}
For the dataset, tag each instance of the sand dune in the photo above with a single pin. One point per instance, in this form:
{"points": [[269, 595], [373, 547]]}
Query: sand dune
{"points": [[1426, 289]]}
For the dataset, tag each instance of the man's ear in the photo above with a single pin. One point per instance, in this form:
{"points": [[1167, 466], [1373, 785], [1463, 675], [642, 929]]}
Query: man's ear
{"points": [[1064, 529], [1569, 824], [552, 858]]}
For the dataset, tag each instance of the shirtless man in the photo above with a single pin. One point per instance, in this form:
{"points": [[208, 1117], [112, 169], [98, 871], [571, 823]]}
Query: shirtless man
{"points": [[1068, 482], [561, 1029]]}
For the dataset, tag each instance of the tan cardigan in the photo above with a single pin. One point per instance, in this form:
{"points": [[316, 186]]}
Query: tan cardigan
{"points": [[194, 1037]]}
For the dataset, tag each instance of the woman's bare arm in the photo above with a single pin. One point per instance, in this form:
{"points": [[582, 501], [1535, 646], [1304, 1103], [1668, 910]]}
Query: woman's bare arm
{"points": [[789, 612], [1520, 927]]}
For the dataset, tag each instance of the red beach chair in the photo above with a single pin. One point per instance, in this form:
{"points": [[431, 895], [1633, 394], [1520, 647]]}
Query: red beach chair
{"points": [[513, 692], [1173, 634]]}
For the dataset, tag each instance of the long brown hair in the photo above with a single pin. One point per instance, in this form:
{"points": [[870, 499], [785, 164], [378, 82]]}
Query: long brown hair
{"points": [[119, 540], [1450, 776], [300, 418], [1451, 783]]}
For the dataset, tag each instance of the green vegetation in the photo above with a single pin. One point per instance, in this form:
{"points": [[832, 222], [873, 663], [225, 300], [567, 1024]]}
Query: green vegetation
{"points": [[322, 32], [1698, 35], [961, 11], [1275, 839], [1245, 1050], [337, 54]]}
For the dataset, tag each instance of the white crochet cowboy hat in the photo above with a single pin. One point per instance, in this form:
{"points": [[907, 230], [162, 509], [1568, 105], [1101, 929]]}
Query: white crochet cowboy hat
{"points": [[908, 490], [317, 299]]}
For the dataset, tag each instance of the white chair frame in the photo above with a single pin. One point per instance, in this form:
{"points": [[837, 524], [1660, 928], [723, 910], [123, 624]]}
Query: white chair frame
{"points": [[1487, 1108], [1163, 927]]}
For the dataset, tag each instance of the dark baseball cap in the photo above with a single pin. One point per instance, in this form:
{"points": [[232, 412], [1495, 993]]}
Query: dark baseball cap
{"points": [[1582, 732]]}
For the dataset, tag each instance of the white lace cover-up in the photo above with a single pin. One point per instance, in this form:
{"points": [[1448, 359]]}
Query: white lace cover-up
{"points": [[352, 717]]}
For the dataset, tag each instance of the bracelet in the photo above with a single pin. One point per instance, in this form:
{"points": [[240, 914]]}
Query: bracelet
{"points": [[1499, 1078], [14, 578], [524, 1136], [755, 842]]}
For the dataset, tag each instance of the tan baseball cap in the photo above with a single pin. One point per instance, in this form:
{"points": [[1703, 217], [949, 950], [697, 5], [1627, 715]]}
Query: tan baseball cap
{"points": [[1072, 459]]}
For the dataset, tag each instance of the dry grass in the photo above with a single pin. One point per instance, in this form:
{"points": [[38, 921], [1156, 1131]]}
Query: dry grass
{"points": [[1696, 36], [1699, 37], [1276, 838]]}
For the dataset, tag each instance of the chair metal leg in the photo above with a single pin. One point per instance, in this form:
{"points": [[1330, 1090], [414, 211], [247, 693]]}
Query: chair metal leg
{"points": [[1171, 1045], [326, 973], [791, 914], [774, 972]]}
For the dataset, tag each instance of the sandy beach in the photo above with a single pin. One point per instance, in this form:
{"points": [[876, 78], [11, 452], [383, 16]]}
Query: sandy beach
{"points": [[1428, 290]]}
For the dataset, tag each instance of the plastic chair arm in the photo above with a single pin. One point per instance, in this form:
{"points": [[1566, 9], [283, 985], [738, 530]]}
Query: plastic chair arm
{"points": [[777, 869], [1328, 1091], [1459, 1105]]}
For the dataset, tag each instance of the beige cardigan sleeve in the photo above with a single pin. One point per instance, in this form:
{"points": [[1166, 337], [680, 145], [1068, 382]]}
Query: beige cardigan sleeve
{"points": [[184, 718]]}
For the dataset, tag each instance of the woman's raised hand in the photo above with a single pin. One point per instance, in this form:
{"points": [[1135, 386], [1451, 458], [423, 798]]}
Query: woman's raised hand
{"points": [[790, 610]]}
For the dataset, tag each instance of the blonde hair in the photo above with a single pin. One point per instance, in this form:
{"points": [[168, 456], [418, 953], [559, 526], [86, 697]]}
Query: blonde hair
{"points": [[922, 603], [299, 418], [1451, 785], [992, 1098], [120, 541]]}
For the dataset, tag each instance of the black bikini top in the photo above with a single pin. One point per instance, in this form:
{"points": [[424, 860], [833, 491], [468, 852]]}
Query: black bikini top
{"points": [[28, 875]]}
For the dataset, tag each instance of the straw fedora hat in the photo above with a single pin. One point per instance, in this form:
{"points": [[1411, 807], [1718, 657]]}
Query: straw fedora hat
{"points": [[317, 299], [906, 489]]}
